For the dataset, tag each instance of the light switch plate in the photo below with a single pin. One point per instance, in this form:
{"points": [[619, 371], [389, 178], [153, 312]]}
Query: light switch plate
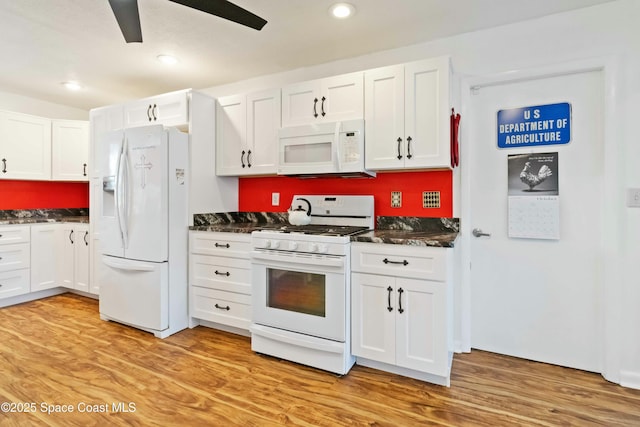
{"points": [[396, 199], [633, 197], [275, 199]]}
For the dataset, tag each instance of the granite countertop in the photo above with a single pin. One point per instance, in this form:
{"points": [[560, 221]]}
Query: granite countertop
{"points": [[37, 216], [414, 231]]}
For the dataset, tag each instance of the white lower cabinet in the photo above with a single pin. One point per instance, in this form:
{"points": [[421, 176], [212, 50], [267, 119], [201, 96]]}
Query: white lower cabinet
{"points": [[401, 309], [44, 256], [74, 257], [14, 261], [220, 279]]}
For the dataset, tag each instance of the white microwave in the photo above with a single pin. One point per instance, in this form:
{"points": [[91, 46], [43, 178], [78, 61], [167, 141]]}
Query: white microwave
{"points": [[326, 148]]}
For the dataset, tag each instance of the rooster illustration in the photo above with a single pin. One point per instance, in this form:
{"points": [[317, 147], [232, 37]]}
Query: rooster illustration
{"points": [[534, 179]]}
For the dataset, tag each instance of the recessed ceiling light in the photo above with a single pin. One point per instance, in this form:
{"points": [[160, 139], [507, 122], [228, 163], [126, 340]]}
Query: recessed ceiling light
{"points": [[167, 59], [342, 10], [74, 86]]}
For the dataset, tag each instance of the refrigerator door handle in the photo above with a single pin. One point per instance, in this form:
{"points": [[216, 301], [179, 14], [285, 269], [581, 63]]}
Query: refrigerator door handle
{"points": [[118, 192], [124, 205], [127, 265]]}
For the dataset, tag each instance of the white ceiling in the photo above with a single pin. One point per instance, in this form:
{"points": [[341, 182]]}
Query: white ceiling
{"points": [[45, 42]]}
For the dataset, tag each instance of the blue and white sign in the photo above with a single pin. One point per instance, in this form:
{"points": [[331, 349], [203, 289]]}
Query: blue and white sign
{"points": [[531, 126]]}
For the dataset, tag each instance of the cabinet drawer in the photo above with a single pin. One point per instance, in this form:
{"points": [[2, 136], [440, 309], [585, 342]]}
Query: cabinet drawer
{"points": [[13, 257], [229, 274], [15, 282], [227, 308], [14, 234], [223, 244], [398, 260]]}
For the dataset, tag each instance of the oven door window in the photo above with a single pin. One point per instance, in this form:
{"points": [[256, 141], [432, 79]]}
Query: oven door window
{"points": [[296, 291]]}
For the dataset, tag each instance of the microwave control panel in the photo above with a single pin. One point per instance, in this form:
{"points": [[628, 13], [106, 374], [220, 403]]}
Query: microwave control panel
{"points": [[350, 145]]}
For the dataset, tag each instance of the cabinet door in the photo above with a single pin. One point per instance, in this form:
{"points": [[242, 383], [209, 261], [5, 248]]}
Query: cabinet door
{"points": [[263, 123], [427, 112], [81, 258], [373, 331], [102, 120], [231, 135], [69, 150], [170, 109], [301, 104], [384, 118], [421, 326], [66, 244], [25, 147], [342, 98], [44, 256]]}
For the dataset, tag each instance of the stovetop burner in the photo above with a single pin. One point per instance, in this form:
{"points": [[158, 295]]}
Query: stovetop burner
{"points": [[318, 230]]}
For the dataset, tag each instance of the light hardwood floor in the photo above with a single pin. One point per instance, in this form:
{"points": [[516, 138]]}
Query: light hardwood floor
{"points": [[57, 351]]}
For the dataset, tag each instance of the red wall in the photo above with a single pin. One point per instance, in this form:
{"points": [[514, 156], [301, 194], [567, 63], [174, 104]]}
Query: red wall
{"points": [[43, 195], [255, 193]]}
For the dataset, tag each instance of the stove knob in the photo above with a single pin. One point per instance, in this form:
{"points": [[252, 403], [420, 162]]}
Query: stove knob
{"points": [[275, 244], [313, 247], [267, 244], [323, 248], [293, 246]]}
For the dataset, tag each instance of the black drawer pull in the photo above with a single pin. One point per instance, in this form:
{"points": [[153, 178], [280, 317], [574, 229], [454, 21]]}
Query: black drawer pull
{"points": [[403, 262], [219, 307], [220, 245], [220, 273]]}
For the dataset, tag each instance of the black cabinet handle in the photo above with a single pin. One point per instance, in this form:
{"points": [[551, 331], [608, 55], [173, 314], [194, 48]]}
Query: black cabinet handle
{"points": [[400, 309], [4, 165], [242, 158], [220, 245], [409, 147], [149, 113], [388, 261], [84, 169], [86, 233], [399, 142], [389, 289], [315, 102], [70, 235], [322, 106], [220, 273], [222, 308], [154, 110], [249, 158]]}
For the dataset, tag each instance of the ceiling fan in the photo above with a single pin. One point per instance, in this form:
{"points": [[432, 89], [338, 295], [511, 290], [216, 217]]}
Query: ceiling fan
{"points": [[126, 12]]}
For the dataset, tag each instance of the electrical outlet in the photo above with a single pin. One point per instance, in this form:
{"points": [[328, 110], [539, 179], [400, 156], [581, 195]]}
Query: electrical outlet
{"points": [[430, 199], [275, 199], [633, 197], [396, 199]]}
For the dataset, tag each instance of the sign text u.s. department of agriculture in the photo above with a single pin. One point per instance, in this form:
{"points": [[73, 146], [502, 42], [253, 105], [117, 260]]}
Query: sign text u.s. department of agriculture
{"points": [[538, 125]]}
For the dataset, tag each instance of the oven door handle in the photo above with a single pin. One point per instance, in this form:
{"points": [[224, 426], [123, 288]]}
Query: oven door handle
{"points": [[291, 261], [295, 339]]}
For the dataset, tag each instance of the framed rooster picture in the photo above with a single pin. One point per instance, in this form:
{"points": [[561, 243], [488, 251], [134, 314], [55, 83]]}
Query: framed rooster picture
{"points": [[533, 174]]}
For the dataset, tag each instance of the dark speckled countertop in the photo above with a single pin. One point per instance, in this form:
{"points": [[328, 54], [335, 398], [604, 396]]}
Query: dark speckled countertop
{"points": [[36, 216], [415, 231]]}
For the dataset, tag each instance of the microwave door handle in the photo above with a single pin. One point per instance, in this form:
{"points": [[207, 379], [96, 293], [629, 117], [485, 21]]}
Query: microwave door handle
{"points": [[336, 138]]}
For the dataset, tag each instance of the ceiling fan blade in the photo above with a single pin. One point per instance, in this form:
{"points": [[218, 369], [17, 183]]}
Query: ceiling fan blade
{"points": [[126, 12], [226, 10]]}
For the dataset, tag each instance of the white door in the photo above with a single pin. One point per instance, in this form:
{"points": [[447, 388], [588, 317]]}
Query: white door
{"points": [[531, 298], [25, 147], [109, 222], [67, 245], [70, 150], [231, 135], [263, 123], [145, 219], [342, 98]]}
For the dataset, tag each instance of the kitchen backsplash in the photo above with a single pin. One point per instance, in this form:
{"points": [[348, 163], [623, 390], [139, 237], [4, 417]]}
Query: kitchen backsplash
{"points": [[255, 193], [43, 194]]}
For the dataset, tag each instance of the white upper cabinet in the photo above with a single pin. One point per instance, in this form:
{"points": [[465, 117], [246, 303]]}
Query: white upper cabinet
{"points": [[407, 111], [25, 147], [325, 100], [170, 109], [69, 150], [247, 134]]}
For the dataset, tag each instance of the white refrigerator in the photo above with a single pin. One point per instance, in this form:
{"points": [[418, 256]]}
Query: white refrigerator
{"points": [[144, 229]]}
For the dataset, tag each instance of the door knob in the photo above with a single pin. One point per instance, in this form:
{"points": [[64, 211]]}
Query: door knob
{"points": [[478, 233]]}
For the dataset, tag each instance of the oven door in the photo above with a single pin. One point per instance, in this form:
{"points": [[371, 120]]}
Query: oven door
{"points": [[302, 293]]}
